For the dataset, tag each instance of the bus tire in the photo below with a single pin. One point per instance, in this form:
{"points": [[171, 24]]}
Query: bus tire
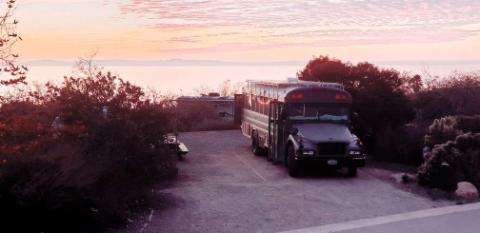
{"points": [[352, 171], [268, 155], [292, 164], [255, 147]]}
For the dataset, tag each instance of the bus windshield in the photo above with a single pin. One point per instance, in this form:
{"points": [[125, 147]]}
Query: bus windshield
{"points": [[317, 112]]}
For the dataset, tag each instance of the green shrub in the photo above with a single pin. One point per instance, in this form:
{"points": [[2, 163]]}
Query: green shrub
{"points": [[458, 94], [402, 144], [452, 162], [442, 130], [202, 116], [448, 128], [456, 152], [379, 95]]}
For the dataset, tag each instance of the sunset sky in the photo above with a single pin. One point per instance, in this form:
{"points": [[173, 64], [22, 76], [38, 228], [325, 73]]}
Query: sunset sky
{"points": [[250, 30]]}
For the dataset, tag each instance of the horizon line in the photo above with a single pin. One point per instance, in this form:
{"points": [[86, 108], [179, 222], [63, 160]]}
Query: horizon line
{"points": [[199, 62]]}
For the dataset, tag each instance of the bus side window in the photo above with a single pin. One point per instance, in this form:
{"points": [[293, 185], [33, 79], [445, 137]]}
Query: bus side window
{"points": [[267, 106], [253, 102], [257, 103], [260, 105]]}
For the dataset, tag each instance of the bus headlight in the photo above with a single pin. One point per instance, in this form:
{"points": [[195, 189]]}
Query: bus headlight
{"points": [[308, 152], [354, 152]]}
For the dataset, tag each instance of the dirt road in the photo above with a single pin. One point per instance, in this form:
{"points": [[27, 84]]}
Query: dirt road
{"points": [[223, 187]]}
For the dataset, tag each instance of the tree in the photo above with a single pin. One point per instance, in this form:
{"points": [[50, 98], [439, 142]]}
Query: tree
{"points": [[379, 95], [78, 155], [458, 94], [8, 37]]}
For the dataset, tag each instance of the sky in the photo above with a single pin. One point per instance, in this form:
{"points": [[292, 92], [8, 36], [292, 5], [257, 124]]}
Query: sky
{"points": [[250, 30]]}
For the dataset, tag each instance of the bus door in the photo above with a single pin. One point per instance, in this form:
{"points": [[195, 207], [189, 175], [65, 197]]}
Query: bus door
{"points": [[281, 137], [274, 132]]}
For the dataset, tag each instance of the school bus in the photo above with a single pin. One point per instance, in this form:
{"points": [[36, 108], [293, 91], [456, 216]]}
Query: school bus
{"points": [[298, 122]]}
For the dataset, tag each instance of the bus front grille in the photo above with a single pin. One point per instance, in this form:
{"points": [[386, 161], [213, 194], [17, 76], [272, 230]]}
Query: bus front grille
{"points": [[331, 148]]}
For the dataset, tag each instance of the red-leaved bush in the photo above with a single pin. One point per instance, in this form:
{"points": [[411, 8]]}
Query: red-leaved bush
{"points": [[75, 157]]}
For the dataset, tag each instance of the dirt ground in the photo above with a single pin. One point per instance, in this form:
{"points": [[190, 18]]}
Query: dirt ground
{"points": [[223, 187]]}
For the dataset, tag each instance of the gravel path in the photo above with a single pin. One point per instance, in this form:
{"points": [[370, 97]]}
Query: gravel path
{"points": [[223, 187]]}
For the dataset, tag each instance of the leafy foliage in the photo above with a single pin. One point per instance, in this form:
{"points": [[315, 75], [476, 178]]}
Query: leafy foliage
{"points": [[76, 156], [448, 128], [456, 153], [452, 162], [402, 144], [379, 95], [201, 116], [458, 94]]}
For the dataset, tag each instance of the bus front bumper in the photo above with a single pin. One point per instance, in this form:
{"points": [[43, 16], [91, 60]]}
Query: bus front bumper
{"points": [[344, 161]]}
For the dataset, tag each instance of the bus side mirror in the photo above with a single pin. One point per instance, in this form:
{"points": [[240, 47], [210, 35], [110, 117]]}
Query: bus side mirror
{"points": [[354, 120], [355, 116], [294, 131]]}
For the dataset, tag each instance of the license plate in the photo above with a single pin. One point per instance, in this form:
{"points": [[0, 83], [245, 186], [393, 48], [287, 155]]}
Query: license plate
{"points": [[332, 162]]}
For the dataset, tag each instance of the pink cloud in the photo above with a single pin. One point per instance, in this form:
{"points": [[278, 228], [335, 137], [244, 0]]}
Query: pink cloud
{"points": [[306, 22]]}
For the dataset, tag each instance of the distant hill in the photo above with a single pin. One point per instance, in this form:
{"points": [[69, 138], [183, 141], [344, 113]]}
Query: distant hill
{"points": [[48, 63]]}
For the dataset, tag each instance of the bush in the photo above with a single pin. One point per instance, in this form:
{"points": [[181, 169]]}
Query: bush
{"points": [[456, 153], [458, 94], [448, 128], [402, 144], [84, 171], [202, 116], [452, 162], [441, 131], [379, 95]]}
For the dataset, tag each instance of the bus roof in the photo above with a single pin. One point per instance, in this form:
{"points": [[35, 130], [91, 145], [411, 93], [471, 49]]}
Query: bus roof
{"points": [[278, 89], [294, 82]]}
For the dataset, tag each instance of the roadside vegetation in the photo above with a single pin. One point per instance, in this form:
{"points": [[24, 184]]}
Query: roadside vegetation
{"points": [[202, 116], [455, 153], [431, 123], [81, 155]]}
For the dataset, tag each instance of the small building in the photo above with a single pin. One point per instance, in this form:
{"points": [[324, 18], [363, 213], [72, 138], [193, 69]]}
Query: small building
{"points": [[223, 105]]}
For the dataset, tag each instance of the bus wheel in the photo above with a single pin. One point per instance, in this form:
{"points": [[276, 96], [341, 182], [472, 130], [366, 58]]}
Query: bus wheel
{"points": [[268, 155], [255, 147], [352, 171], [292, 163]]}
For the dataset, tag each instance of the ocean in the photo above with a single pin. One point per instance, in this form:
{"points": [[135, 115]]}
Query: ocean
{"points": [[188, 80]]}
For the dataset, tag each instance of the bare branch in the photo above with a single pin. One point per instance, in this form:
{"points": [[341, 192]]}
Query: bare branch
{"points": [[8, 37]]}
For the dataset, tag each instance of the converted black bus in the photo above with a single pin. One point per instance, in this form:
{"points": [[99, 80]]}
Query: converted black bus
{"points": [[296, 122]]}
